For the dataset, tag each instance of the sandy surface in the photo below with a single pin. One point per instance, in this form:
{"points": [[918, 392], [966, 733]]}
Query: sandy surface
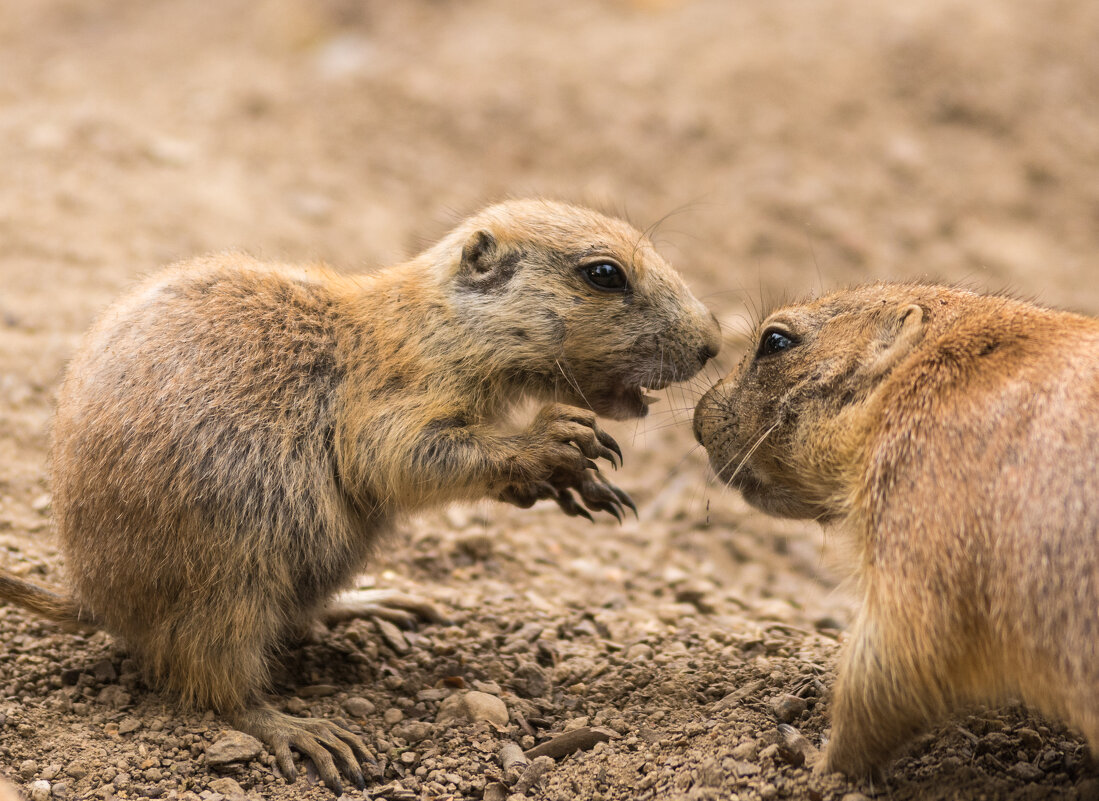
{"points": [[787, 147]]}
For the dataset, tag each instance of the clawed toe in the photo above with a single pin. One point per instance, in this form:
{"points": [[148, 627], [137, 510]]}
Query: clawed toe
{"points": [[336, 752], [569, 505], [600, 495]]}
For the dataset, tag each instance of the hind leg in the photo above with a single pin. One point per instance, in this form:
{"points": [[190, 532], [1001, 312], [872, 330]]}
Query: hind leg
{"points": [[216, 657], [879, 704]]}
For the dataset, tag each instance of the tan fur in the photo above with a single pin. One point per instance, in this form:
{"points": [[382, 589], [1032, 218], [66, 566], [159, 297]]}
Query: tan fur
{"points": [[955, 436], [233, 437]]}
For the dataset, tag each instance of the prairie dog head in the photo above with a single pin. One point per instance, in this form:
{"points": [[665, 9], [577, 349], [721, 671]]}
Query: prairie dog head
{"points": [[788, 427], [578, 303]]}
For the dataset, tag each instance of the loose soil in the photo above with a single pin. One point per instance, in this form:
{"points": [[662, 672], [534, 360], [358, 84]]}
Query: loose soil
{"points": [[777, 149]]}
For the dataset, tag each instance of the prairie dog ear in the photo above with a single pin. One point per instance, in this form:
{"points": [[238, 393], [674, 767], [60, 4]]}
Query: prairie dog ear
{"points": [[487, 266], [478, 253], [899, 335]]}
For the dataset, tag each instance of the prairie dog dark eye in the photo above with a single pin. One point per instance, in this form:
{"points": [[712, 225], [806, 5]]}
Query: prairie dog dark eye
{"points": [[605, 275], [774, 341]]}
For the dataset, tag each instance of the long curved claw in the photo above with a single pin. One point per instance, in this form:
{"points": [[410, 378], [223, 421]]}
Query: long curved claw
{"points": [[624, 498], [569, 505], [607, 441], [599, 494], [603, 506], [593, 447], [587, 438]]}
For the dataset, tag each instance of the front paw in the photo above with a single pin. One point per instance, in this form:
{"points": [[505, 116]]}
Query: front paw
{"points": [[564, 434], [567, 440]]}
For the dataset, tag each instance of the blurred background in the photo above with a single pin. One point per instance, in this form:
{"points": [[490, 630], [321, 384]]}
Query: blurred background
{"points": [[790, 144]]}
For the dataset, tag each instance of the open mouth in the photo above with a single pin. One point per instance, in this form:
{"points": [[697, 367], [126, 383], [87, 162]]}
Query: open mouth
{"points": [[629, 400]]}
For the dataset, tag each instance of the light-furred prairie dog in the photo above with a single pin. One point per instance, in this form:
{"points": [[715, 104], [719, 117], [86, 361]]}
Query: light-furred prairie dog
{"points": [[955, 436], [233, 437]]}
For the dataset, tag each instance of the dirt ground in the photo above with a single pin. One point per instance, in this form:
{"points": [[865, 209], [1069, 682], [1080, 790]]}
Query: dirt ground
{"points": [[787, 146]]}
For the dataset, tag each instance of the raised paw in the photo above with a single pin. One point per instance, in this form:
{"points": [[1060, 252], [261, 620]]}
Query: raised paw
{"points": [[568, 440], [334, 750], [567, 433]]}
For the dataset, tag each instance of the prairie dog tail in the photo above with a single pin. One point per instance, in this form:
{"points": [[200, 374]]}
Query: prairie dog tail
{"points": [[47, 603]]}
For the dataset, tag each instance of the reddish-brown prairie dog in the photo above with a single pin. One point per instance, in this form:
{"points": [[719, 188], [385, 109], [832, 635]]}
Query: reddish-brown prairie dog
{"points": [[955, 437]]}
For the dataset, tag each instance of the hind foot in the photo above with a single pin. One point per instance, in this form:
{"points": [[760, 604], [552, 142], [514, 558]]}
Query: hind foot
{"points": [[334, 750], [396, 607]]}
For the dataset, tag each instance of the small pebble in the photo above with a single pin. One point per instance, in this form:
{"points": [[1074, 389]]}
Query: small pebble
{"points": [[40, 790], [392, 636], [318, 691], [745, 768], [1025, 771], [746, 750], [471, 706], [393, 715], [229, 788], [414, 731], [358, 707], [233, 746], [114, 696], [104, 671], [788, 708], [1029, 738], [710, 774]]}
